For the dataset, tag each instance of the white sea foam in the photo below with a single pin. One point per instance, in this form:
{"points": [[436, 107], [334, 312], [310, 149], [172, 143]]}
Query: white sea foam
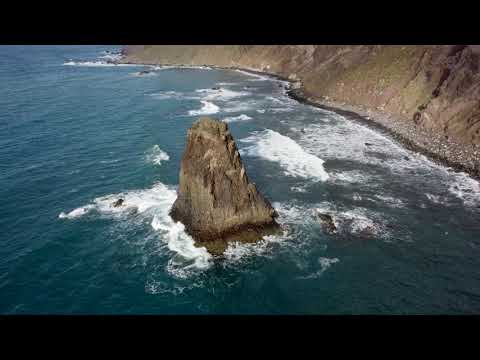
{"points": [[76, 212], [327, 140], [356, 197], [111, 56], [157, 155], [358, 221], [208, 108], [154, 203], [350, 177], [281, 110], [220, 94], [189, 258], [325, 263], [256, 77], [290, 213], [300, 189], [165, 95], [241, 117], [294, 160], [113, 161], [389, 200], [466, 189], [436, 199], [261, 111], [239, 251], [240, 106], [96, 63]]}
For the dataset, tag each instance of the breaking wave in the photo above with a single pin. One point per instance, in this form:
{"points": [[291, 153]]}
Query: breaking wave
{"points": [[220, 94], [294, 160], [76, 212], [241, 117], [96, 63], [153, 203], [466, 189], [208, 108], [157, 155], [256, 77]]}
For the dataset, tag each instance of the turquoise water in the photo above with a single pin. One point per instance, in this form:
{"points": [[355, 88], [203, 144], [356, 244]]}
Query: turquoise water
{"points": [[77, 133]]}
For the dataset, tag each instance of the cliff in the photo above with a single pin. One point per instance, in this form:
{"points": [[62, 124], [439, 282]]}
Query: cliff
{"points": [[216, 201], [435, 89]]}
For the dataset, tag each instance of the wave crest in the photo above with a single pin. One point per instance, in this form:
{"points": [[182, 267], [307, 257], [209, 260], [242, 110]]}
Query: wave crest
{"points": [[295, 161]]}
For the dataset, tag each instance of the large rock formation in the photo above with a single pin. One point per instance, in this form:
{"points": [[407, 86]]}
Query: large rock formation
{"points": [[216, 201]]}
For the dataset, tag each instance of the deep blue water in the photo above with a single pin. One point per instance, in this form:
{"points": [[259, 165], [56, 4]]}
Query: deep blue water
{"points": [[76, 134]]}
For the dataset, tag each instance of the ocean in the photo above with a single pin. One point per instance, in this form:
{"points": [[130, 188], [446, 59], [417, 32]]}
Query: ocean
{"points": [[77, 133]]}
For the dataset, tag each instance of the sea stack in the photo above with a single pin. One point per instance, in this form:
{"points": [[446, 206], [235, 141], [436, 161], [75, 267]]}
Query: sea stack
{"points": [[216, 201]]}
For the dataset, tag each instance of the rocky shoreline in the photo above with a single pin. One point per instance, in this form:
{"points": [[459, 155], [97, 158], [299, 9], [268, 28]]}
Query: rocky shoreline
{"points": [[460, 157], [441, 150]]}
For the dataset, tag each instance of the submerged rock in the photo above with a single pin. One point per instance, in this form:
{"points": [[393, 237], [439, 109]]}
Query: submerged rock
{"points": [[145, 72], [216, 201], [118, 203], [327, 222]]}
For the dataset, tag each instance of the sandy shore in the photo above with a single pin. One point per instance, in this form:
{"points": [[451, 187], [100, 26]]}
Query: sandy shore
{"points": [[460, 157]]}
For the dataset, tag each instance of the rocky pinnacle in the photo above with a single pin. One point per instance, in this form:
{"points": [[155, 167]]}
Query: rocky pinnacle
{"points": [[216, 201]]}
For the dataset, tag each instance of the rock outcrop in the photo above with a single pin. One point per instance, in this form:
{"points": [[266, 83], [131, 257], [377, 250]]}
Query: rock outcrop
{"points": [[216, 201], [327, 222]]}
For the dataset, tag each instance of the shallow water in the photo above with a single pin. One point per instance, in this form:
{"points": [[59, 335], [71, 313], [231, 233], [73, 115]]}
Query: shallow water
{"points": [[77, 133]]}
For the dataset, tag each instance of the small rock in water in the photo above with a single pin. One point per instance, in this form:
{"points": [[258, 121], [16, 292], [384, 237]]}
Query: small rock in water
{"points": [[215, 88], [327, 223], [118, 203], [368, 144]]}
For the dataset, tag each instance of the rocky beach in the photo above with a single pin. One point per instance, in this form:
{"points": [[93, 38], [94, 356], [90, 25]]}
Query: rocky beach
{"points": [[438, 148]]}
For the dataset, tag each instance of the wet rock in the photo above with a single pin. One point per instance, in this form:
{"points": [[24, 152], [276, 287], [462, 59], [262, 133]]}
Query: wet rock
{"points": [[368, 144], [118, 203], [216, 201], [327, 222], [215, 88]]}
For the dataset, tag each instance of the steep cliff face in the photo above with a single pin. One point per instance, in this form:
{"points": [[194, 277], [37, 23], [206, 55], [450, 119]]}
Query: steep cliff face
{"points": [[437, 87], [216, 201]]}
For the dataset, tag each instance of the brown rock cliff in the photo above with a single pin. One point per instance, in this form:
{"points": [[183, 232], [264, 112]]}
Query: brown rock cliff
{"points": [[216, 201]]}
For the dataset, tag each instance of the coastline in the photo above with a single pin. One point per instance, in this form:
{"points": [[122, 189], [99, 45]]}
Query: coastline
{"points": [[442, 151]]}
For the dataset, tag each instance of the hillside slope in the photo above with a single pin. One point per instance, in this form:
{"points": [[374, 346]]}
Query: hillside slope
{"points": [[434, 88]]}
